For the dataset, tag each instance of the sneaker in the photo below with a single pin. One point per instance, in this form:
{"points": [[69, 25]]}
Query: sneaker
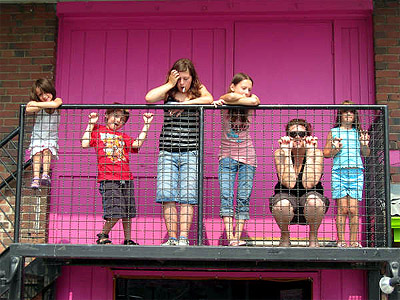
{"points": [[35, 183], [170, 242], [45, 181], [183, 241]]}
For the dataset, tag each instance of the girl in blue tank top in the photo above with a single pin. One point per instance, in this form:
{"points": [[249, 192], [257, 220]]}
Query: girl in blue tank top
{"points": [[346, 142]]}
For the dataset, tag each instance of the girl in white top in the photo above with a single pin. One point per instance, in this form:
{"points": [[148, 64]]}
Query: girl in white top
{"points": [[237, 156], [44, 140]]}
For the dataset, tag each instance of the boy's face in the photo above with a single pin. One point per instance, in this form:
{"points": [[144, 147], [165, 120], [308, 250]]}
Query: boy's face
{"points": [[115, 120]]}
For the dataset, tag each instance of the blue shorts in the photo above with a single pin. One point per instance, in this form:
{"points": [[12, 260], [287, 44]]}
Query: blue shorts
{"points": [[177, 177], [347, 182]]}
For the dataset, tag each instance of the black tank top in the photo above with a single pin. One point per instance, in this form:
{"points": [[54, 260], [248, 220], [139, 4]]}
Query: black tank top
{"points": [[298, 190], [180, 134]]}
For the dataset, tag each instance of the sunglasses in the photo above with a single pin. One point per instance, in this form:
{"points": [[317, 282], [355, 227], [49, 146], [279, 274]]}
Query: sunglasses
{"points": [[300, 134]]}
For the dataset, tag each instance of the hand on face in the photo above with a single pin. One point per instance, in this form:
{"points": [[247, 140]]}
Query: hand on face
{"points": [[173, 77]]}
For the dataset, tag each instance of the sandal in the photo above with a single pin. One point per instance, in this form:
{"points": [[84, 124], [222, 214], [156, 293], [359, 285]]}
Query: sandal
{"points": [[45, 181], [341, 244], [35, 183], [355, 245], [237, 243], [130, 242], [103, 239]]}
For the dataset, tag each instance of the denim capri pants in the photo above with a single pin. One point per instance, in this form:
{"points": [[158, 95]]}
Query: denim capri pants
{"points": [[228, 168], [177, 177]]}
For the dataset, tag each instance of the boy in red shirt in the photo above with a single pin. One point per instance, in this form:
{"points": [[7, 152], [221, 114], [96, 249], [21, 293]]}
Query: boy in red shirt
{"points": [[116, 180]]}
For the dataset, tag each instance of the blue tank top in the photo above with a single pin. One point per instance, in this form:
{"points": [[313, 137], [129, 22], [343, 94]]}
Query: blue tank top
{"points": [[350, 155]]}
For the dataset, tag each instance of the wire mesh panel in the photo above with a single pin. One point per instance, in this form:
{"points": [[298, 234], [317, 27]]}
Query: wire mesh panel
{"points": [[238, 185]]}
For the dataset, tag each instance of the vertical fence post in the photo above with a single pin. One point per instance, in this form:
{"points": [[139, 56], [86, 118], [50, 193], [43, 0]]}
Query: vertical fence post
{"points": [[19, 173], [387, 179], [200, 165]]}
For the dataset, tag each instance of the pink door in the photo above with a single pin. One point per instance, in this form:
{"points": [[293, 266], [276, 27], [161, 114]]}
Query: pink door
{"points": [[119, 60]]}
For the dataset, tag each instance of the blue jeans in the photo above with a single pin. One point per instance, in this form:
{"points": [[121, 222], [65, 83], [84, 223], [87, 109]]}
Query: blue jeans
{"points": [[228, 168], [177, 177]]}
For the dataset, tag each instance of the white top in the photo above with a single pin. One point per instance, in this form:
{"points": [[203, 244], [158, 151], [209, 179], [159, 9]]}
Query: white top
{"points": [[45, 133]]}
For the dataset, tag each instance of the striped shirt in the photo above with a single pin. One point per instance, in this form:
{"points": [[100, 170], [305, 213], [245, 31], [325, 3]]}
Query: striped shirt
{"points": [[180, 133]]}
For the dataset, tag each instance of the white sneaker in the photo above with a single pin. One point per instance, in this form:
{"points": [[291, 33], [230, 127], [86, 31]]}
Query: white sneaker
{"points": [[170, 242], [183, 241]]}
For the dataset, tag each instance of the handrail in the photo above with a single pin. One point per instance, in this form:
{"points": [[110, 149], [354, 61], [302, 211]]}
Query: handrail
{"points": [[13, 176], [9, 137]]}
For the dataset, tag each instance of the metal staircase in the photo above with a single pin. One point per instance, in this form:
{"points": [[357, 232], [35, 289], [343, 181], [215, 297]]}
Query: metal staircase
{"points": [[37, 276]]}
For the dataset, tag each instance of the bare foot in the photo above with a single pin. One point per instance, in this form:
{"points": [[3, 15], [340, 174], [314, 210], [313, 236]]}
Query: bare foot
{"points": [[313, 244], [284, 243]]}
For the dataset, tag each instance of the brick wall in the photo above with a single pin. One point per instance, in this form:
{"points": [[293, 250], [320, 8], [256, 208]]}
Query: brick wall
{"points": [[387, 69], [27, 52]]}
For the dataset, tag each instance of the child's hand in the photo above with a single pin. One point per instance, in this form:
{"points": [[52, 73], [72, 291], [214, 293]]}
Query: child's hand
{"points": [[364, 138], [311, 142], [173, 77], [93, 118], [148, 118], [336, 143], [31, 104], [218, 102], [285, 143]]}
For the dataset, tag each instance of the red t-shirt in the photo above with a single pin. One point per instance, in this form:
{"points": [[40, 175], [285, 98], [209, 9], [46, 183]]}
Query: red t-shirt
{"points": [[113, 150]]}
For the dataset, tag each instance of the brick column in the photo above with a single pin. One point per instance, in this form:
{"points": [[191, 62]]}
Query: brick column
{"points": [[387, 71]]}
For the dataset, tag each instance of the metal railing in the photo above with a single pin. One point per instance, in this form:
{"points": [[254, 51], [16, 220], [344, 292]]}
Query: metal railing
{"points": [[70, 211]]}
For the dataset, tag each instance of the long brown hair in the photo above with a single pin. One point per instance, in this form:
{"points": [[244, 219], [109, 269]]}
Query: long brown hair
{"points": [[186, 65], [241, 113], [356, 123]]}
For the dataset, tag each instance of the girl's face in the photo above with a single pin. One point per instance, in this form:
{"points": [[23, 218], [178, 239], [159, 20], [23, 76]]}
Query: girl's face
{"points": [[43, 96], [243, 88], [115, 120], [297, 134], [347, 116], [184, 81]]}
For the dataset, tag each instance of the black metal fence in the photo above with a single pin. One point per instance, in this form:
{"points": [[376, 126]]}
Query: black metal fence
{"points": [[70, 210]]}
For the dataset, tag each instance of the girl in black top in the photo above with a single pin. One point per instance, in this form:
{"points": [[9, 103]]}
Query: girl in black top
{"points": [[179, 140]]}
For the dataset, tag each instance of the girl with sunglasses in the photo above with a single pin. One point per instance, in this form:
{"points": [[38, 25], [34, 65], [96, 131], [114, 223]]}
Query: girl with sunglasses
{"points": [[346, 142], [298, 196]]}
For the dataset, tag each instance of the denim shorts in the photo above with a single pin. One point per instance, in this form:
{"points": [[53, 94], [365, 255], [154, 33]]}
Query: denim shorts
{"points": [[228, 168], [347, 182], [118, 199], [177, 177]]}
